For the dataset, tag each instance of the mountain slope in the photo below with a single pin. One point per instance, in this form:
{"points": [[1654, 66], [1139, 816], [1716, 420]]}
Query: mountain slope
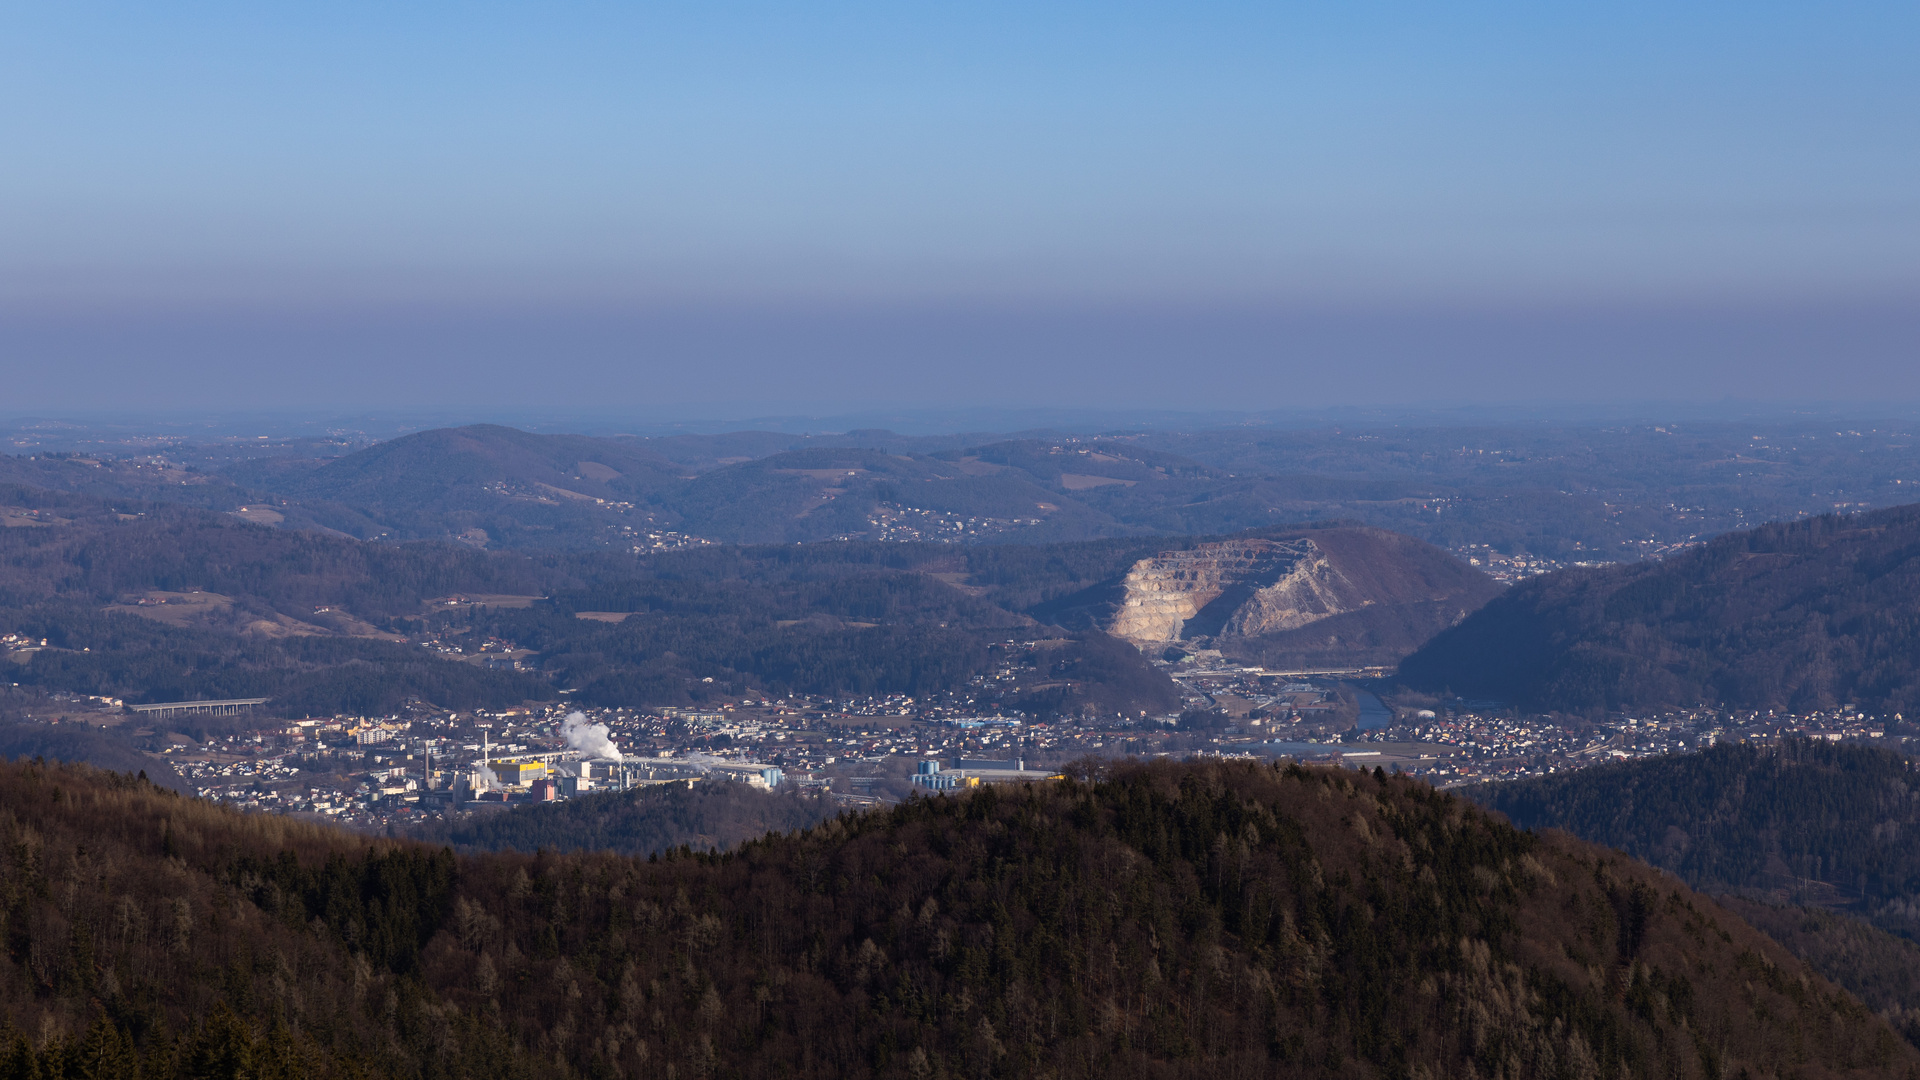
{"points": [[154, 936], [1881, 969], [1802, 822], [1801, 615], [1223, 919]]}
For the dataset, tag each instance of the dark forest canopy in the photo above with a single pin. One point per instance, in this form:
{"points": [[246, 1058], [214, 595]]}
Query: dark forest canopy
{"points": [[1815, 843], [1802, 615], [644, 821], [1802, 821], [1880, 968], [1169, 921]]}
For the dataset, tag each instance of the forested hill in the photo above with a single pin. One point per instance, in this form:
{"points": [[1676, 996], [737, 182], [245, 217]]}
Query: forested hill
{"points": [[644, 821], [156, 603], [1800, 615], [1207, 920], [1803, 822]]}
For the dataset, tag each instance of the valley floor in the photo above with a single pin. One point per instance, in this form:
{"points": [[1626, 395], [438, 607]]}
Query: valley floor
{"points": [[417, 765]]}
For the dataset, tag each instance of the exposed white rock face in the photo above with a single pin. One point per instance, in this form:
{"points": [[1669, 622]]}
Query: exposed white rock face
{"points": [[1160, 594], [1236, 588], [1310, 590]]}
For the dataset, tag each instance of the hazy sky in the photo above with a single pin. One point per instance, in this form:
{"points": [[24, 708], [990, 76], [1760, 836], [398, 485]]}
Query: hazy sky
{"points": [[1236, 205]]}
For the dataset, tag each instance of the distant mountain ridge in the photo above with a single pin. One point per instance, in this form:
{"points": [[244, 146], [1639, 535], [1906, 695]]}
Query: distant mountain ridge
{"points": [[1579, 493], [501, 487], [498, 487], [1797, 616], [487, 485], [427, 463]]}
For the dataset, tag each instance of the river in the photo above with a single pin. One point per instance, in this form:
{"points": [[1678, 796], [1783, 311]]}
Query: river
{"points": [[1374, 714]]}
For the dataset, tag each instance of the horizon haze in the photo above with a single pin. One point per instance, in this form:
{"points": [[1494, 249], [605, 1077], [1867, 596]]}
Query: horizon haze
{"points": [[856, 206]]}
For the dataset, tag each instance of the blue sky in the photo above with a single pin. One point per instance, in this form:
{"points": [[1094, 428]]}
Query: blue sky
{"points": [[912, 203]]}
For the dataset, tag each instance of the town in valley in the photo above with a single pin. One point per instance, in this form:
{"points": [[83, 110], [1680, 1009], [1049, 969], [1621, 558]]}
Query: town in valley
{"points": [[425, 762]]}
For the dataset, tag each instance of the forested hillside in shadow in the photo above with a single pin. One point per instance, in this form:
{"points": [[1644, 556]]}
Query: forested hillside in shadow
{"points": [[1795, 616], [1881, 969], [1803, 821], [644, 821], [1210, 920], [1815, 843]]}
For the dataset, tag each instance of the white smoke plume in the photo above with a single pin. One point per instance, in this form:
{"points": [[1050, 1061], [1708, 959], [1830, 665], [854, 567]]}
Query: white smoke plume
{"points": [[592, 740]]}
